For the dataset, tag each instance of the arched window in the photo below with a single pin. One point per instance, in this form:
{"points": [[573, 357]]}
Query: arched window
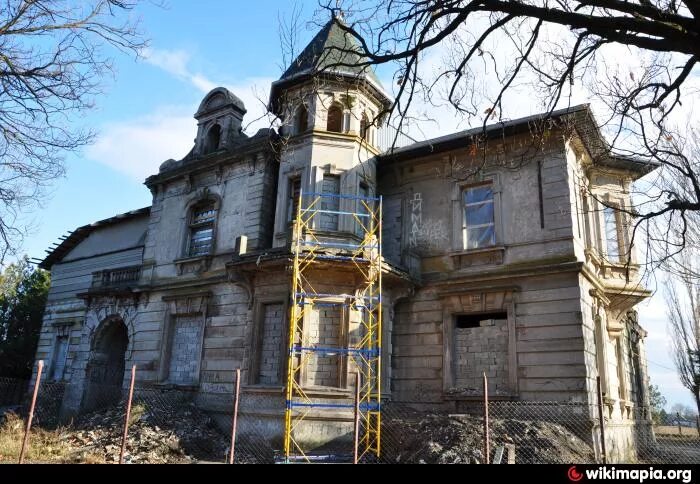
{"points": [[364, 127], [301, 120], [335, 119], [213, 139], [201, 229]]}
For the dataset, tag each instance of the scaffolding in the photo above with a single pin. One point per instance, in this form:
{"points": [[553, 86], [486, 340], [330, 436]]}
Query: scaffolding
{"points": [[355, 249]]}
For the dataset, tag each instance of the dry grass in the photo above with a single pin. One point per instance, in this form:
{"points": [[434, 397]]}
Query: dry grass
{"points": [[44, 445], [673, 430]]}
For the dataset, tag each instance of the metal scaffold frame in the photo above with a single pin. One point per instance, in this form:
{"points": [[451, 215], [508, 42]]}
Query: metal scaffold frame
{"points": [[313, 251]]}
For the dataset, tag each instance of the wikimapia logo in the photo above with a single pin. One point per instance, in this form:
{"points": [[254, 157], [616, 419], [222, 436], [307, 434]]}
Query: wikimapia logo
{"points": [[636, 474]]}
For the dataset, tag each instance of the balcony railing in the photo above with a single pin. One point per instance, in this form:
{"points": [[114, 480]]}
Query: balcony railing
{"points": [[120, 277]]}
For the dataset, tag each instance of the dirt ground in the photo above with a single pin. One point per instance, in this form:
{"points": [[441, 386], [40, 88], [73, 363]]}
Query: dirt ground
{"points": [[184, 435], [443, 439]]}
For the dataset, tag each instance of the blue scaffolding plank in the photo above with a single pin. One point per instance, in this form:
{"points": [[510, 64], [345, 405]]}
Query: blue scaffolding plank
{"points": [[338, 245], [338, 195], [365, 407], [330, 350]]}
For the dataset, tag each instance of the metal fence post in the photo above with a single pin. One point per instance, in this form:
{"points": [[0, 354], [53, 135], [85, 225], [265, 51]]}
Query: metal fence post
{"points": [[602, 421], [25, 441], [357, 417], [234, 425], [487, 443], [128, 414]]}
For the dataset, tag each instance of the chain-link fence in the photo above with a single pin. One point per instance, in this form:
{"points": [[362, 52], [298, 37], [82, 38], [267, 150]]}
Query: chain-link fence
{"points": [[175, 425]]}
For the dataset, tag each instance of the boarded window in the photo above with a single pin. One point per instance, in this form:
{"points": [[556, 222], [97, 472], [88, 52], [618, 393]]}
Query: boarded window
{"points": [[330, 204], [324, 331], [271, 332], [185, 345], [480, 345], [479, 228]]}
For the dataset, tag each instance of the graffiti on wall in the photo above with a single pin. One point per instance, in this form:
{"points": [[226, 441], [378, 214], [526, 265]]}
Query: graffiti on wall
{"points": [[426, 233]]}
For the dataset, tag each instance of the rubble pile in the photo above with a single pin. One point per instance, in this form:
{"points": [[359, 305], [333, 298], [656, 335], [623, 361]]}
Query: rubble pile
{"points": [[177, 435], [443, 439]]}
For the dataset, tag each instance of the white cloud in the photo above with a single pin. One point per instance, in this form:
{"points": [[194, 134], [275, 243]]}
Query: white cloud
{"points": [[176, 62], [137, 146]]}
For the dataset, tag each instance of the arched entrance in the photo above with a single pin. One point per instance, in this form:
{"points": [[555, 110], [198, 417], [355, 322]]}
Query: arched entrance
{"points": [[105, 368]]}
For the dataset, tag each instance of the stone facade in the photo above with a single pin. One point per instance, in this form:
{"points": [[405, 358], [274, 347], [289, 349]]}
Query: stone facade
{"points": [[506, 270]]}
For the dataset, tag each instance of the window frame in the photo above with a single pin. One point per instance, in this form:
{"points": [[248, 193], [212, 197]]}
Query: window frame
{"points": [[291, 205], [301, 113], [341, 117], [465, 223], [208, 224], [614, 207]]}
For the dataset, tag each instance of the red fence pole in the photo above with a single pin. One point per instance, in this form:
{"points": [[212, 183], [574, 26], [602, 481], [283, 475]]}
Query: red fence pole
{"points": [[25, 441], [128, 414], [487, 442], [357, 417], [235, 415]]}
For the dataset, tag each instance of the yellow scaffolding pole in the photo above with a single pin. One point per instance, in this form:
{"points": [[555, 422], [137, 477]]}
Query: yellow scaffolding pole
{"points": [[312, 251]]}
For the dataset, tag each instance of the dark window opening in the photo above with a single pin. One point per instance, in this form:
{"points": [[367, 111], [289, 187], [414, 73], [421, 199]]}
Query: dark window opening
{"points": [[293, 195], [213, 139], [302, 120], [364, 127], [335, 119], [465, 321]]}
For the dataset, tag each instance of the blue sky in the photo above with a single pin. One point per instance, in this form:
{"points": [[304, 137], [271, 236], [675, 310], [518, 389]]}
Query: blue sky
{"points": [[145, 117]]}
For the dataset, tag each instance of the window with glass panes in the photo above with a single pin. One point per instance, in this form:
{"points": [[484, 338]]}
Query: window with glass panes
{"points": [[612, 239], [202, 229], [478, 228]]}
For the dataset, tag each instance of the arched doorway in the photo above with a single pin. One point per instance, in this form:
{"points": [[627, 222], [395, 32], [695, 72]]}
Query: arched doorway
{"points": [[105, 368]]}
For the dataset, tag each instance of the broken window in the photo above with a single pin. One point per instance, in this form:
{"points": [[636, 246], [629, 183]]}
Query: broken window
{"points": [[464, 321], [479, 228], [202, 220]]}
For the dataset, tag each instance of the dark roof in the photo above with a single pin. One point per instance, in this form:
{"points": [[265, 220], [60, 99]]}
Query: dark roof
{"points": [[332, 52], [332, 49], [81, 233], [580, 117]]}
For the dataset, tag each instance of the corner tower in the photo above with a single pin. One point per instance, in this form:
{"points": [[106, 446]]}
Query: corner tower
{"points": [[331, 106]]}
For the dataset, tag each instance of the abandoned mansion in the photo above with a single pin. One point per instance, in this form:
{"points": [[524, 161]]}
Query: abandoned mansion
{"points": [[496, 251]]}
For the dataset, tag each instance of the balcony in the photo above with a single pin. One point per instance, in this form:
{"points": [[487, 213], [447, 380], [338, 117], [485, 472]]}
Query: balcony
{"points": [[121, 277]]}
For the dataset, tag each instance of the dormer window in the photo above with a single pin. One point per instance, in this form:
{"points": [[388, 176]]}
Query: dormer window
{"points": [[335, 119], [301, 120], [213, 139], [201, 233]]}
